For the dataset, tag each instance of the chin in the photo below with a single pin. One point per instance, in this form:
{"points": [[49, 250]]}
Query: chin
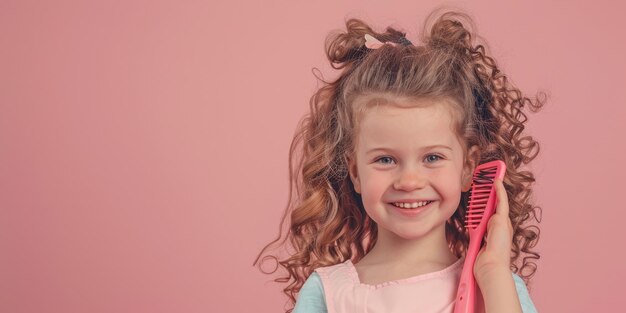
{"points": [[412, 234]]}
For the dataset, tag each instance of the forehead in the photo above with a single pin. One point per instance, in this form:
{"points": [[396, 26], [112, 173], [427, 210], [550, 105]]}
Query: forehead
{"points": [[401, 124]]}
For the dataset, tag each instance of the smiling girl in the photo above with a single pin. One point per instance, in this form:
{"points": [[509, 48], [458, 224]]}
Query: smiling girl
{"points": [[384, 171]]}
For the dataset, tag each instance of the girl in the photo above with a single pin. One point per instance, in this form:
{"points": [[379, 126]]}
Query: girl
{"points": [[385, 170]]}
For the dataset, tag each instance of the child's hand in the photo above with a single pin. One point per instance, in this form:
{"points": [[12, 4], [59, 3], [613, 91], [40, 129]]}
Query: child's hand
{"points": [[494, 258]]}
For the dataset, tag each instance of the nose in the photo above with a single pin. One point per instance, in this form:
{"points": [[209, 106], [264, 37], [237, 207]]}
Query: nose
{"points": [[409, 179]]}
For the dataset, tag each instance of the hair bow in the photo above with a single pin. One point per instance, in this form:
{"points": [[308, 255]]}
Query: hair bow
{"points": [[374, 43]]}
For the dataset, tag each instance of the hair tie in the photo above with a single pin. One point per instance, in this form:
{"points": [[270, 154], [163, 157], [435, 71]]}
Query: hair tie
{"points": [[374, 43], [405, 41]]}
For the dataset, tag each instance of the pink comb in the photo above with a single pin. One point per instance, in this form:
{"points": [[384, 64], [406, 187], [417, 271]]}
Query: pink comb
{"points": [[481, 207]]}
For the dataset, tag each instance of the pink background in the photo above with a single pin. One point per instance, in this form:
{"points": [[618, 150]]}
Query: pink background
{"points": [[143, 145]]}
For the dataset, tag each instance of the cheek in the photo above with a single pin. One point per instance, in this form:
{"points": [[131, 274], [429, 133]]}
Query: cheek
{"points": [[373, 187], [446, 174], [449, 181]]}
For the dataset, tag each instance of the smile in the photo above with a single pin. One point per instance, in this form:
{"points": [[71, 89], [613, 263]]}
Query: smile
{"points": [[413, 205], [410, 211]]}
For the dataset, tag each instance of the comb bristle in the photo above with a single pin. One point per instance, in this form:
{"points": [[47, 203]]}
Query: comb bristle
{"points": [[482, 183]]}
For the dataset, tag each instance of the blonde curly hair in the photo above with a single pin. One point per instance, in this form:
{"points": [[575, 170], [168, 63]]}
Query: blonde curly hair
{"points": [[327, 221]]}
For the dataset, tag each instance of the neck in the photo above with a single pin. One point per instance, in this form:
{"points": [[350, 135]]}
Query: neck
{"points": [[430, 249]]}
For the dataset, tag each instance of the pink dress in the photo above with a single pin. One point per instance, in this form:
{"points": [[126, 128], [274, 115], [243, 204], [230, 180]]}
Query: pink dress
{"points": [[430, 292]]}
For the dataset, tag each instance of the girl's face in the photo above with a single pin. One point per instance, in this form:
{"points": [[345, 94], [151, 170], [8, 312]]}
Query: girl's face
{"points": [[409, 155]]}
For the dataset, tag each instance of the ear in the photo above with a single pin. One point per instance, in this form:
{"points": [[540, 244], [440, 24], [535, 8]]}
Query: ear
{"points": [[352, 169], [471, 161]]}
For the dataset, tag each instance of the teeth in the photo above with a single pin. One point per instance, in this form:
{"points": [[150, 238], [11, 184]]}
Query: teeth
{"points": [[411, 205]]}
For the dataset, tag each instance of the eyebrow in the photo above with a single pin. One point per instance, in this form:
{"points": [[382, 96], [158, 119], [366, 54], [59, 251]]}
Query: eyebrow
{"points": [[424, 148]]}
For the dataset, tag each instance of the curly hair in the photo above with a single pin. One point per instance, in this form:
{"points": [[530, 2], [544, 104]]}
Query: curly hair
{"points": [[327, 221]]}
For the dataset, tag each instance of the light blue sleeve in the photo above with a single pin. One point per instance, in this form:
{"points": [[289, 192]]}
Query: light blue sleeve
{"points": [[311, 297], [524, 297]]}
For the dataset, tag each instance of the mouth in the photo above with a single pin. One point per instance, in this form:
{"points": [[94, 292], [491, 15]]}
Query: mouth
{"points": [[414, 206]]}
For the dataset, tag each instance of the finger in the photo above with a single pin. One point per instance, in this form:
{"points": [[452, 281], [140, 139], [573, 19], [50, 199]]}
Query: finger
{"points": [[503, 207], [498, 232], [502, 204]]}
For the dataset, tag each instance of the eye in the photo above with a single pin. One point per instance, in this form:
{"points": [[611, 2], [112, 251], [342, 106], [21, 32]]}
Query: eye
{"points": [[384, 158], [432, 158]]}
